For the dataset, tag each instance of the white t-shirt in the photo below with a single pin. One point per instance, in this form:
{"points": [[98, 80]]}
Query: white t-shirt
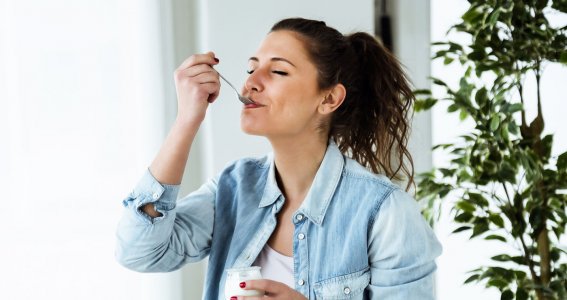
{"points": [[275, 266]]}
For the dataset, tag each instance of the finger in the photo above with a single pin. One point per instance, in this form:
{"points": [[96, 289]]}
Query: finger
{"points": [[210, 77], [183, 76], [197, 70], [249, 298], [266, 285], [212, 90], [195, 59], [213, 96]]}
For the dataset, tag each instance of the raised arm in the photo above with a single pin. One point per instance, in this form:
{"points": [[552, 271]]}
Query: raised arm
{"points": [[197, 85], [156, 233]]}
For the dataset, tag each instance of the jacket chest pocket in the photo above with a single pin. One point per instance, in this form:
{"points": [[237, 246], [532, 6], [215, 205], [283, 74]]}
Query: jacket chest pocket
{"points": [[350, 286]]}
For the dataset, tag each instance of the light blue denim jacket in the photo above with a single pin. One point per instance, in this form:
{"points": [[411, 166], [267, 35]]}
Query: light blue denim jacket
{"points": [[356, 236]]}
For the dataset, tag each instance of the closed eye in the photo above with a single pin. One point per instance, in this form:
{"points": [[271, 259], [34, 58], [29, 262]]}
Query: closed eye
{"points": [[280, 73], [250, 71]]}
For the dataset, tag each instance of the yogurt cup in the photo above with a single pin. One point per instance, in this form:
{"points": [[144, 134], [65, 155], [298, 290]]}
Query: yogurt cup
{"points": [[237, 275]]}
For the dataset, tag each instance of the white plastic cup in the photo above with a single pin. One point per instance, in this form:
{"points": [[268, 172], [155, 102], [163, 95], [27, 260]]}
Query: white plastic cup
{"points": [[235, 276]]}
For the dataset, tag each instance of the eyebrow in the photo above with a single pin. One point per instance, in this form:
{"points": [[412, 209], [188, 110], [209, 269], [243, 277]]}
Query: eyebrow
{"points": [[273, 59]]}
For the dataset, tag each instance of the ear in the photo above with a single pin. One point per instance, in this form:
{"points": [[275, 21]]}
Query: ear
{"points": [[332, 100]]}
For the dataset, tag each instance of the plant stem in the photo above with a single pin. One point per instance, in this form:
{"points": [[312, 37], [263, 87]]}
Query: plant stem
{"points": [[521, 92], [538, 77], [530, 262], [543, 234], [543, 249], [527, 255]]}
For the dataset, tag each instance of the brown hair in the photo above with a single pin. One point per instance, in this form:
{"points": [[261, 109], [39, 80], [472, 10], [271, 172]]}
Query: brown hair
{"points": [[372, 124]]}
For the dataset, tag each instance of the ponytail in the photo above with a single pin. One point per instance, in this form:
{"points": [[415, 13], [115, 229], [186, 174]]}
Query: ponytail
{"points": [[372, 124]]}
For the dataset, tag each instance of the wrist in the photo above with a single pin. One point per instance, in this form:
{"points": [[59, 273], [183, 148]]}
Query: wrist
{"points": [[188, 124]]}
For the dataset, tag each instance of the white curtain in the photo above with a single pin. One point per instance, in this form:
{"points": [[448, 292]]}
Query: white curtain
{"points": [[81, 116]]}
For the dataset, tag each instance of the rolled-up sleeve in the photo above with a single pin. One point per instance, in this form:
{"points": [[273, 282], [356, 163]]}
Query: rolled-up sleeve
{"points": [[182, 234], [402, 251]]}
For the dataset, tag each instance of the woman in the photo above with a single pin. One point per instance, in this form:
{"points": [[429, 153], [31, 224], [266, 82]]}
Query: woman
{"points": [[320, 224]]}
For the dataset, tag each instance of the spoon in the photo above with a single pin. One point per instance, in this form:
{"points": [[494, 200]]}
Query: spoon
{"points": [[240, 97]]}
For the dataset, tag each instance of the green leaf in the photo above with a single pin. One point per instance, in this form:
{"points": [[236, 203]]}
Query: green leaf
{"points": [[462, 228], [497, 220], [498, 283], [493, 19], [478, 199], [452, 108], [507, 295], [501, 257], [481, 97], [472, 278], [494, 122], [521, 294], [471, 14], [465, 206], [422, 92], [448, 60], [514, 108], [480, 227], [439, 43], [513, 128], [507, 172], [438, 81], [463, 217], [563, 57], [463, 114], [424, 104], [562, 161], [495, 237]]}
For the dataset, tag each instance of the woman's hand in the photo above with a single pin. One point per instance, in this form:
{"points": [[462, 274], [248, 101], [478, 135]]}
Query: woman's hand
{"points": [[197, 84], [272, 290]]}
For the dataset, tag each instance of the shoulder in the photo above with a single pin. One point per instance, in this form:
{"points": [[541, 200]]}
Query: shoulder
{"points": [[354, 170], [248, 169], [248, 164], [359, 178]]}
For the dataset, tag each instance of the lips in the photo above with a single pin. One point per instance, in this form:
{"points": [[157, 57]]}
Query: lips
{"points": [[252, 105], [255, 105]]}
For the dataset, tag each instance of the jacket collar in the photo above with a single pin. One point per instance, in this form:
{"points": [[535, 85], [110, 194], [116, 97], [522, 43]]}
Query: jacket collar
{"points": [[322, 189]]}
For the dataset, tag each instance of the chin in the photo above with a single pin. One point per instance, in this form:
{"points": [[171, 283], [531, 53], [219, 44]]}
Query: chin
{"points": [[252, 125], [250, 128]]}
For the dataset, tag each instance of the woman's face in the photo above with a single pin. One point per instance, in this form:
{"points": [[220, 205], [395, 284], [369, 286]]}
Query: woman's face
{"points": [[283, 81]]}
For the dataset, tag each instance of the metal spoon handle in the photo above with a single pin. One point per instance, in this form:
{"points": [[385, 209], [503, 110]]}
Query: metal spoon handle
{"points": [[240, 97], [232, 86]]}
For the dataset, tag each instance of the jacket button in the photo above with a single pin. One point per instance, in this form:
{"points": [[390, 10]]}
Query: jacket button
{"points": [[301, 282], [155, 196], [299, 217], [301, 236], [346, 291]]}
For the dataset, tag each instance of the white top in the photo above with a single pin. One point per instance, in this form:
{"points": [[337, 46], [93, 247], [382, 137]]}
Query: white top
{"points": [[275, 266]]}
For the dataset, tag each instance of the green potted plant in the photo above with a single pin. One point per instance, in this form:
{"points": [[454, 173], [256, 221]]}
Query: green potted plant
{"points": [[502, 183]]}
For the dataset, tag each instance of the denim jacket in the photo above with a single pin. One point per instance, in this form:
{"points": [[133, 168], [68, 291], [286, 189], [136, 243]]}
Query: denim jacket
{"points": [[356, 236]]}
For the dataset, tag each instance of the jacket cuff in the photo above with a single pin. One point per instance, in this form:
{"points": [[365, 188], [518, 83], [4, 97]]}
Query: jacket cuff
{"points": [[149, 190]]}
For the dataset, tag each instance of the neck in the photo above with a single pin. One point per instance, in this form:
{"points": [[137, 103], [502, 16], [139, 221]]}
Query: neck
{"points": [[297, 161]]}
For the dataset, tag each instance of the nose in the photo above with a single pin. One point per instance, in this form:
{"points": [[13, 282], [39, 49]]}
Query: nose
{"points": [[254, 83]]}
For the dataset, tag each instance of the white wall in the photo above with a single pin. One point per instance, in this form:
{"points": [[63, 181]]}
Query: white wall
{"points": [[411, 27]]}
